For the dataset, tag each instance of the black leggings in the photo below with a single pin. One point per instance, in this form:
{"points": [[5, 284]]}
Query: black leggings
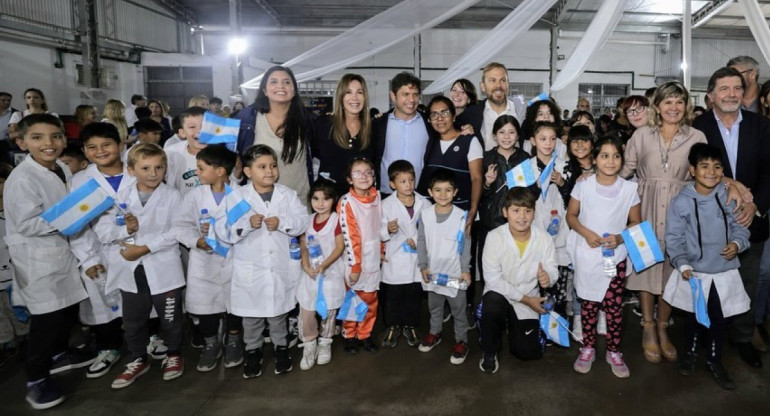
{"points": [[209, 324], [713, 336]]}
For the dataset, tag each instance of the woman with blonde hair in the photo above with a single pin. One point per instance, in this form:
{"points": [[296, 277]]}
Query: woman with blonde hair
{"points": [[114, 113], [346, 133]]}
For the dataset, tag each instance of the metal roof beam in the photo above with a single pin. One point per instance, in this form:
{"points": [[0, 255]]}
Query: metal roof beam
{"points": [[179, 10]]}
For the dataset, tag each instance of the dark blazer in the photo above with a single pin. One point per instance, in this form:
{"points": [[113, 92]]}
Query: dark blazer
{"points": [[379, 132], [753, 161]]}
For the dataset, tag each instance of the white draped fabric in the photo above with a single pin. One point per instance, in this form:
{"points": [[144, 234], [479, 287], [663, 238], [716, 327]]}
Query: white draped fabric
{"points": [[516, 23], [756, 21], [604, 22], [402, 21]]}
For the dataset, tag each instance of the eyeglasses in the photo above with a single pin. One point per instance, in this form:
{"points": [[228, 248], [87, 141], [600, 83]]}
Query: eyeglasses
{"points": [[632, 111], [357, 174], [443, 114]]}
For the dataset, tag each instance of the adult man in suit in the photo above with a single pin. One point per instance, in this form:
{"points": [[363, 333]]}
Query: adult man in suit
{"points": [[401, 133], [742, 136]]}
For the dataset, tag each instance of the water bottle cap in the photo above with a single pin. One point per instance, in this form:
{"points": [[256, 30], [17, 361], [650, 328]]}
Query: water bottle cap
{"points": [[310, 238], [204, 211], [294, 239], [606, 235], [554, 212], [123, 205]]}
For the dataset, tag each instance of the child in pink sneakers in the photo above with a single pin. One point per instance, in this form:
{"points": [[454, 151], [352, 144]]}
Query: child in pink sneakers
{"points": [[603, 204]]}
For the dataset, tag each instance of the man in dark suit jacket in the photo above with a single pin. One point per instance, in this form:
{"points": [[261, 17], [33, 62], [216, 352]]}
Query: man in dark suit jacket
{"points": [[743, 138]]}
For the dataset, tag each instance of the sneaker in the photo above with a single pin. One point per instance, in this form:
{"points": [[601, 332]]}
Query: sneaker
{"points": [[197, 341], [459, 353], [577, 328], [489, 364], [637, 310], [44, 394], [210, 355], [282, 360], [585, 359], [324, 351], [133, 370], [686, 364], [369, 345], [619, 367], [391, 337], [309, 355], [351, 345], [471, 317], [72, 359], [429, 342], [253, 366], [411, 336], [172, 367], [631, 299], [720, 375], [103, 363], [601, 324], [233, 350], [157, 348]]}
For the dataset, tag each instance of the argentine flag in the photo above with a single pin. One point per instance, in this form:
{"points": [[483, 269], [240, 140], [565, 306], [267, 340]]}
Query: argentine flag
{"points": [[353, 308], [216, 246], [545, 177], [642, 245], [555, 328], [541, 97], [699, 302], [320, 301], [77, 209], [217, 130], [522, 174], [235, 205]]}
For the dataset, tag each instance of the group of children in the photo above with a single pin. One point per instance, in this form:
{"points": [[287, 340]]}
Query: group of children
{"points": [[241, 277]]}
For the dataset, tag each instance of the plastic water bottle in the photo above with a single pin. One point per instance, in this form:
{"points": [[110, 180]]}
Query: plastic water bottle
{"points": [[549, 303], [608, 262], [120, 216], [204, 219], [441, 279], [553, 227], [315, 252], [112, 299], [294, 251]]}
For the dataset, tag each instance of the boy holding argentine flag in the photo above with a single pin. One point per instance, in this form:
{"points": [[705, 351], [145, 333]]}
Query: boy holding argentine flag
{"points": [[47, 280], [703, 239]]}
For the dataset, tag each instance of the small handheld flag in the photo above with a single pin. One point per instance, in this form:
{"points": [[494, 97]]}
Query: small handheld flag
{"points": [[320, 302], [699, 302], [211, 239], [555, 328], [235, 205], [217, 130], [642, 245], [77, 209], [353, 308], [522, 175], [545, 177], [461, 234], [542, 96]]}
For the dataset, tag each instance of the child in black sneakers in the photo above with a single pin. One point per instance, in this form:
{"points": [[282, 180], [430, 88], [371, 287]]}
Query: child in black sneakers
{"points": [[518, 261], [443, 249]]}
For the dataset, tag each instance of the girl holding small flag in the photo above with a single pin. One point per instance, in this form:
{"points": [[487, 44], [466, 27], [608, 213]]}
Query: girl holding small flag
{"points": [[603, 204]]}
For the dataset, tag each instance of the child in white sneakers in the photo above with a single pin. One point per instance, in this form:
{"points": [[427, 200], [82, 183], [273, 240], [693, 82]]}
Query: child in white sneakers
{"points": [[443, 248], [326, 232], [603, 204]]}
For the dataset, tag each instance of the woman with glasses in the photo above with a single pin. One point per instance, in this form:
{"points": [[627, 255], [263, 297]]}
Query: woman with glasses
{"points": [[635, 109], [346, 133]]}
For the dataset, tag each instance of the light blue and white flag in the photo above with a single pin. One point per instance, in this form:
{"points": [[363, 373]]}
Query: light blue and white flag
{"points": [[541, 97], [218, 130], [320, 301], [216, 245], [235, 205], [461, 234], [545, 177], [77, 209], [642, 245], [699, 302], [522, 174], [353, 308], [555, 328]]}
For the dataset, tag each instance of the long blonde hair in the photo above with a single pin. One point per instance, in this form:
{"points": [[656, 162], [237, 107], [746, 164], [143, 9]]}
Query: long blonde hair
{"points": [[114, 112], [340, 134]]}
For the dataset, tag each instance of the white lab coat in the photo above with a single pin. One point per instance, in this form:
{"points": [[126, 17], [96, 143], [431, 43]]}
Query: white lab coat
{"points": [[46, 271], [6, 268], [513, 276], [91, 251], [400, 267], [208, 274], [732, 295], [163, 265], [181, 168], [264, 282], [443, 247], [333, 285]]}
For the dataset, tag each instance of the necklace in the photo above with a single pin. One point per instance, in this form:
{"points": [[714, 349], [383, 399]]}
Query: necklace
{"points": [[664, 153]]}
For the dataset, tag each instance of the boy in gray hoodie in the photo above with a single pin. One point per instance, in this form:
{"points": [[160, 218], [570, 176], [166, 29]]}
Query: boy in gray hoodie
{"points": [[702, 241]]}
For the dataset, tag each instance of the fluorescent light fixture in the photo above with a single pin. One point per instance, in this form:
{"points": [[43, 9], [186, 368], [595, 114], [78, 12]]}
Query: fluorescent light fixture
{"points": [[715, 12], [237, 46], [683, 66]]}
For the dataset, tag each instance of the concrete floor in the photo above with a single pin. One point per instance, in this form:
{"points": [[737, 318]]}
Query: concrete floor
{"points": [[404, 381]]}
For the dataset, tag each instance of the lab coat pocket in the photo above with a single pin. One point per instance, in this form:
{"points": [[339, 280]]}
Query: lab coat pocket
{"points": [[39, 262], [243, 273]]}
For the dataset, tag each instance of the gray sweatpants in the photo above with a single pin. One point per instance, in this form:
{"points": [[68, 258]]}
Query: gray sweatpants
{"points": [[253, 328], [457, 305]]}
